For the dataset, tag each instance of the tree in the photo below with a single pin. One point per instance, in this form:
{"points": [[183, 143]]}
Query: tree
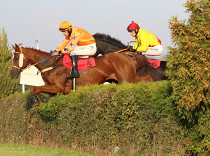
{"points": [[189, 71], [7, 85]]}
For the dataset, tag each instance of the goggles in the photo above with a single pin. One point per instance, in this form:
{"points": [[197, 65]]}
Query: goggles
{"points": [[62, 29], [129, 29]]}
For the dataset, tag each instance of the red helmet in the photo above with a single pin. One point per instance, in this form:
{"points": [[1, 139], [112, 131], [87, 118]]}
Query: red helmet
{"points": [[133, 26]]}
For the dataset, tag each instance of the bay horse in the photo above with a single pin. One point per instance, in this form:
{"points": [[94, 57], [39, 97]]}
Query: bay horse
{"points": [[107, 44], [118, 66]]}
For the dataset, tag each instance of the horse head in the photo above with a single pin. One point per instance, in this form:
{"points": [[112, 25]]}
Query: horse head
{"points": [[19, 61]]}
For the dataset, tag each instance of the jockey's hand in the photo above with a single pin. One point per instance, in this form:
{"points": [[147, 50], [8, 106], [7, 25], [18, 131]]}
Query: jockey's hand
{"points": [[131, 48], [55, 53]]}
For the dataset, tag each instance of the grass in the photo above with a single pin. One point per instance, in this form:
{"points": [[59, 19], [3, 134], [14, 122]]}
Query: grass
{"points": [[31, 150]]}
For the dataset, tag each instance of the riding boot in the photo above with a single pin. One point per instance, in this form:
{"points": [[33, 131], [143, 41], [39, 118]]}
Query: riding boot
{"points": [[74, 70]]}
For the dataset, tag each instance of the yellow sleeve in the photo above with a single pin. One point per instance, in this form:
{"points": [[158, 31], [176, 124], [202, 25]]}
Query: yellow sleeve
{"points": [[143, 46], [136, 45]]}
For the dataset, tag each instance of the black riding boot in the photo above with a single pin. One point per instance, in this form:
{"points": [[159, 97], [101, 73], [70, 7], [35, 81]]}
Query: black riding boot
{"points": [[74, 70]]}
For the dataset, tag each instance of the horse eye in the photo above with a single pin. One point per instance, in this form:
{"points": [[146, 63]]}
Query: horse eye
{"points": [[16, 58]]}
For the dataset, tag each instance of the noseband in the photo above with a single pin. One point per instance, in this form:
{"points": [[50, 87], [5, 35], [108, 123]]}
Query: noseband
{"points": [[21, 58]]}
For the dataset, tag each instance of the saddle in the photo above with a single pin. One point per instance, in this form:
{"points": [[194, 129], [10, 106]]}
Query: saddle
{"points": [[154, 62], [84, 62]]}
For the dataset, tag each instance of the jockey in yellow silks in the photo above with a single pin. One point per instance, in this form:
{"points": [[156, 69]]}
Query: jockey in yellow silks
{"points": [[145, 41], [77, 42]]}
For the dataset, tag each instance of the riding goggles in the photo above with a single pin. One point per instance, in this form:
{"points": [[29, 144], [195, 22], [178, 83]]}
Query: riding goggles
{"points": [[129, 29], [62, 29]]}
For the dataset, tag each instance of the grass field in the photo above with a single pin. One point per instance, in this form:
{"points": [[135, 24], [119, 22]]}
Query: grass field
{"points": [[30, 150]]}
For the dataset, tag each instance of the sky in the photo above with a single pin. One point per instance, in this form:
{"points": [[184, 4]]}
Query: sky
{"points": [[28, 20]]}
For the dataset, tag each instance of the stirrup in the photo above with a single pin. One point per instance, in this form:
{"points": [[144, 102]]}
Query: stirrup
{"points": [[73, 75]]}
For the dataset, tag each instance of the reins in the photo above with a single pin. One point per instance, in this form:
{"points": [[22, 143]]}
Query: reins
{"points": [[44, 70], [121, 50]]}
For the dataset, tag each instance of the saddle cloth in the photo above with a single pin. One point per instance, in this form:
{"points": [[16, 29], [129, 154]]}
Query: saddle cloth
{"points": [[84, 63], [154, 63]]}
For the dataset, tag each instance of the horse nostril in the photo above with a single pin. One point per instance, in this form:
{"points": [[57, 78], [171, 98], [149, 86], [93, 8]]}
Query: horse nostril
{"points": [[14, 73]]}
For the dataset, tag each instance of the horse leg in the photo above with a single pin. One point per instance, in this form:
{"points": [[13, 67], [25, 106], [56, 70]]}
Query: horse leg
{"points": [[35, 99], [43, 98], [54, 89]]}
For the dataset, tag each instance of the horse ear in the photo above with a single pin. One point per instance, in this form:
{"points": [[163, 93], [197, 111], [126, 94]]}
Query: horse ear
{"points": [[13, 47], [16, 47]]}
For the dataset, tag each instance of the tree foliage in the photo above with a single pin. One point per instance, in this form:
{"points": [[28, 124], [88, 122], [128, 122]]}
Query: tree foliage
{"points": [[7, 85], [188, 69]]}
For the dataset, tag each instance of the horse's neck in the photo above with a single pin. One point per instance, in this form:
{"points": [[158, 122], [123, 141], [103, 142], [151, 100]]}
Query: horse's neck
{"points": [[108, 47], [112, 43], [36, 57]]}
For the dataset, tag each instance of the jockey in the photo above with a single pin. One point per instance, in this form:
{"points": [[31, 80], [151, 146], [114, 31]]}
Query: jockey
{"points": [[77, 42], [146, 43]]}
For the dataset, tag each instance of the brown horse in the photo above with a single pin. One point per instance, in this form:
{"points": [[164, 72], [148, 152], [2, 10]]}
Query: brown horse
{"points": [[117, 66], [107, 44]]}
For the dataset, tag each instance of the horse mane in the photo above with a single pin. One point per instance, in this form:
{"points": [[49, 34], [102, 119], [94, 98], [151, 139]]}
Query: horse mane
{"points": [[107, 38], [36, 50]]}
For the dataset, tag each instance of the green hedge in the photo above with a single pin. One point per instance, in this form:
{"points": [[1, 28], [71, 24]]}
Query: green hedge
{"points": [[136, 118]]}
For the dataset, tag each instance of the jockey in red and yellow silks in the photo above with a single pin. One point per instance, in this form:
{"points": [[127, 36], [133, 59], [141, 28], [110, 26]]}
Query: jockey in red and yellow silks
{"points": [[145, 41], [77, 42]]}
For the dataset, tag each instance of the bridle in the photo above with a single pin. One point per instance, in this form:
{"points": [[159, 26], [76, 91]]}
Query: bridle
{"points": [[22, 57]]}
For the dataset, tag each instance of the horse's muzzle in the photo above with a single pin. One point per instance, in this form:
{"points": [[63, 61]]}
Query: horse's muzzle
{"points": [[14, 73]]}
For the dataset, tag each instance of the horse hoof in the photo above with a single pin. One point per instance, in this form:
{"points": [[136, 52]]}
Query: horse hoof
{"points": [[35, 99], [37, 104], [43, 98]]}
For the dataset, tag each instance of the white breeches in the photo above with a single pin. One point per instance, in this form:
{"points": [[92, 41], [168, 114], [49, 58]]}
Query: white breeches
{"points": [[155, 52], [84, 50]]}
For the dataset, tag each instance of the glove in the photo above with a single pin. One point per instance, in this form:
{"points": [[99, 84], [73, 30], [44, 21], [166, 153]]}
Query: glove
{"points": [[55, 52], [52, 51], [131, 48]]}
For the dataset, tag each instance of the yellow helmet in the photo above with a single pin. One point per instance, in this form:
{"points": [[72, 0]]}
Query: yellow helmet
{"points": [[65, 25]]}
